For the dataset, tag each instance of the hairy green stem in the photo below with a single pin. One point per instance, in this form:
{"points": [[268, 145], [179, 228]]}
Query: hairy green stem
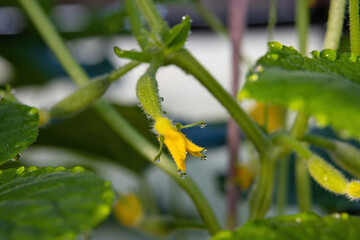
{"points": [[211, 19], [354, 26], [189, 64], [146, 149], [153, 18], [334, 24], [113, 118]]}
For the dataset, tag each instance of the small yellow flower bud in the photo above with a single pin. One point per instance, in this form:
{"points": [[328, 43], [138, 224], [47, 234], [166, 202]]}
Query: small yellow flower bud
{"points": [[353, 190], [327, 176], [128, 210]]}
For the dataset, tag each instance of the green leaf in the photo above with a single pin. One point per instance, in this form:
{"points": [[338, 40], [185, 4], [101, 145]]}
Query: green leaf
{"points": [[18, 128], [177, 36], [301, 226], [133, 55], [326, 86], [87, 133], [51, 203]]}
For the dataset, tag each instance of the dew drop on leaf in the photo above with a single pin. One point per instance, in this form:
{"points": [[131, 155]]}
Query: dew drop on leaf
{"points": [[203, 124], [253, 77], [203, 158], [328, 54], [315, 54], [31, 169], [274, 46], [20, 170], [352, 57], [32, 112]]}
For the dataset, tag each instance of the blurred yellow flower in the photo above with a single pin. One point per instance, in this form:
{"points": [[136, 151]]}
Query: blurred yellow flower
{"points": [[275, 116], [244, 177], [176, 142], [128, 210]]}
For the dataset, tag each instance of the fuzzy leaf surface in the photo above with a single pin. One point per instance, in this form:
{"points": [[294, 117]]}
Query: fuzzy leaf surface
{"points": [[326, 85], [51, 203]]}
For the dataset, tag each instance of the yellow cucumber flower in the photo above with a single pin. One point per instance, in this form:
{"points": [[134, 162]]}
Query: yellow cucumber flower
{"points": [[176, 142]]}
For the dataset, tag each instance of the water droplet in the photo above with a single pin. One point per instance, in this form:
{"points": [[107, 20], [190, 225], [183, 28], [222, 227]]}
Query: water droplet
{"points": [[274, 56], [328, 54], [20, 170], [77, 169], [13, 91], [32, 112], [344, 215], [203, 158], [31, 169], [322, 120], [107, 184], [352, 57], [203, 124], [157, 160], [243, 94], [178, 126], [253, 77], [60, 169], [204, 151], [298, 220], [274, 46], [179, 171], [161, 99], [17, 157], [259, 68], [164, 113], [315, 54], [336, 215], [184, 175], [191, 20], [139, 105], [183, 18]]}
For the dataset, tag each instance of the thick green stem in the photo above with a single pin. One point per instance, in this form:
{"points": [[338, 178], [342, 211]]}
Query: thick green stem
{"points": [[334, 24], [189, 64], [354, 26], [261, 195], [210, 19], [319, 142], [303, 187], [302, 23], [53, 39], [302, 179], [282, 185], [113, 118], [286, 140], [272, 20]]}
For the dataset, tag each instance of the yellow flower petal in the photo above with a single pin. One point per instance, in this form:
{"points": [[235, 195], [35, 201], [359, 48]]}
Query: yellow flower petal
{"points": [[176, 142]]}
